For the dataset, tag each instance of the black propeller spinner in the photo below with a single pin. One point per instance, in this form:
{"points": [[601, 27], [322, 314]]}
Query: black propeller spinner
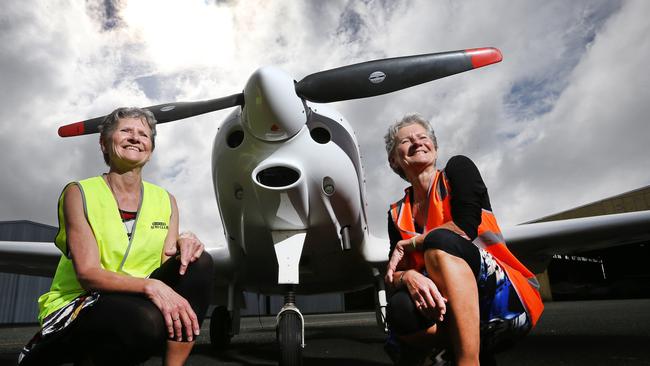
{"points": [[360, 80]]}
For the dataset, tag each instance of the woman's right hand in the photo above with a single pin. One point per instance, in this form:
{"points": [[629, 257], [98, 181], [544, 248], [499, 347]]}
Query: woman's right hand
{"points": [[396, 258], [176, 311], [425, 294]]}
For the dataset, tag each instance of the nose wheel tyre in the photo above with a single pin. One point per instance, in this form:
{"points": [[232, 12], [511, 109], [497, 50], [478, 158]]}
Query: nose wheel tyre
{"points": [[220, 324], [289, 335]]}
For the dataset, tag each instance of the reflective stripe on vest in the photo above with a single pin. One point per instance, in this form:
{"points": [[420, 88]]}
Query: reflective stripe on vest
{"points": [[137, 257], [489, 237]]}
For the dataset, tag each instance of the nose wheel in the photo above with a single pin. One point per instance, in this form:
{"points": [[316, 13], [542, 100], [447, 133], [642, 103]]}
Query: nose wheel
{"points": [[380, 300], [290, 333], [220, 328]]}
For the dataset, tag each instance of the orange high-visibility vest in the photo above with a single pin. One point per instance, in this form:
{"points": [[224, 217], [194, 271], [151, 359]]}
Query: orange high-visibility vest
{"points": [[489, 238]]}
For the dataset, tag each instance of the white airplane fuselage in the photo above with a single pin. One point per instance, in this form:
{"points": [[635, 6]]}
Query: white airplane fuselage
{"points": [[309, 182]]}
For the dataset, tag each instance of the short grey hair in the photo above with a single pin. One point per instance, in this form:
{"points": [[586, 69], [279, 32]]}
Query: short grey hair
{"points": [[109, 124], [390, 136]]}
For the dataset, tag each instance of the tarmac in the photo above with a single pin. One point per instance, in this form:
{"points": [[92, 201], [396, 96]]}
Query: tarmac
{"points": [[603, 332]]}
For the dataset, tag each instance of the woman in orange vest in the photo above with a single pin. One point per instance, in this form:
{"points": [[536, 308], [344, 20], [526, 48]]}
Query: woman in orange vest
{"points": [[455, 283]]}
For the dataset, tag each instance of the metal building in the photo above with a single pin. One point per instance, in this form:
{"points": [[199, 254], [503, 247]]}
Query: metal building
{"points": [[635, 200], [20, 292], [618, 272]]}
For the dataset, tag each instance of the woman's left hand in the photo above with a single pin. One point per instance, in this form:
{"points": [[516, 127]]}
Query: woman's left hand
{"points": [[425, 295], [190, 248], [177, 312]]}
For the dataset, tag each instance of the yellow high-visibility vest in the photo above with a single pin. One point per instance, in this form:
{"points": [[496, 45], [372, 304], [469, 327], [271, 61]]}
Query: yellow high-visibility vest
{"points": [[138, 256]]}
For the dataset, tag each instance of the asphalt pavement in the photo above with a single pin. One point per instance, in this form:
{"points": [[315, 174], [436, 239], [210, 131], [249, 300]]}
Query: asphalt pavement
{"points": [[605, 332]]}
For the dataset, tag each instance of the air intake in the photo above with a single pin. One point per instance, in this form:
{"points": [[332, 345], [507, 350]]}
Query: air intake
{"points": [[277, 176]]}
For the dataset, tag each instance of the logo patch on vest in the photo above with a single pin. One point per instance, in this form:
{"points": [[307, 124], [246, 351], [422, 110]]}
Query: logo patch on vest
{"points": [[159, 225]]}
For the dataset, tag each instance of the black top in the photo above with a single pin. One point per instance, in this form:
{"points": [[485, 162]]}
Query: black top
{"points": [[468, 197]]}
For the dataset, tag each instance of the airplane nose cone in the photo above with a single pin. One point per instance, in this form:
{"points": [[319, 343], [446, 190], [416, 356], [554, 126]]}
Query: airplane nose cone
{"points": [[273, 111]]}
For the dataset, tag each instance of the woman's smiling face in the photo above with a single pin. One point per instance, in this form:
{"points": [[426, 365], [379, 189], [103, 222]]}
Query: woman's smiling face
{"points": [[414, 149], [130, 143]]}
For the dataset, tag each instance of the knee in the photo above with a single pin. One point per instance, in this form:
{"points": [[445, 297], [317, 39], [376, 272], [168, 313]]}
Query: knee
{"points": [[441, 239], [204, 263], [446, 248], [448, 270], [442, 245], [201, 269], [436, 257], [400, 302], [146, 330], [140, 328], [402, 315], [139, 334]]}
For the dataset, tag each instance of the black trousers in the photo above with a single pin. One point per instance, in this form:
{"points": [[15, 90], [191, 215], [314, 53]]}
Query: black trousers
{"points": [[124, 328]]}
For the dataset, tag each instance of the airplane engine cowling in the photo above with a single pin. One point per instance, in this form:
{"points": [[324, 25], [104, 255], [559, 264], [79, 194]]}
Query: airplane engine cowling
{"points": [[282, 196]]}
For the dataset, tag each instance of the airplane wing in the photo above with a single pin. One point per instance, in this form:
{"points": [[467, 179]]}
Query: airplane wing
{"points": [[41, 258], [30, 258], [535, 244]]}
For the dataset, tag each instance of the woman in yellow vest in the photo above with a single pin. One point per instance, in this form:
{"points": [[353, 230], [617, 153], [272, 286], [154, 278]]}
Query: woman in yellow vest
{"points": [[128, 286], [455, 285]]}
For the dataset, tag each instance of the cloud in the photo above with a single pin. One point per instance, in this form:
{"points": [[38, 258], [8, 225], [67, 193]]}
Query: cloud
{"points": [[590, 145], [560, 122]]}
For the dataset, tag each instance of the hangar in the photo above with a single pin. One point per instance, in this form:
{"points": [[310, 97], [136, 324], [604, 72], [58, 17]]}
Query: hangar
{"points": [[618, 272]]}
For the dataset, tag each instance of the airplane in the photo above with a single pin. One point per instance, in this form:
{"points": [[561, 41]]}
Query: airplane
{"points": [[290, 188]]}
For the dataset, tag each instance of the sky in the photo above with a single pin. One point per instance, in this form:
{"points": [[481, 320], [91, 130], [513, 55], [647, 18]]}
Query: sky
{"points": [[561, 122]]}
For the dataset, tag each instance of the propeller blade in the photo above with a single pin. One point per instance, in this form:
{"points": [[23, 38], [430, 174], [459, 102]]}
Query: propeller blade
{"points": [[163, 112], [378, 77]]}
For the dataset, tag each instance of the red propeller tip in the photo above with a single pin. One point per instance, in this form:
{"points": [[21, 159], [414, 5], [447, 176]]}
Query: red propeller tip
{"points": [[484, 56], [73, 129]]}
